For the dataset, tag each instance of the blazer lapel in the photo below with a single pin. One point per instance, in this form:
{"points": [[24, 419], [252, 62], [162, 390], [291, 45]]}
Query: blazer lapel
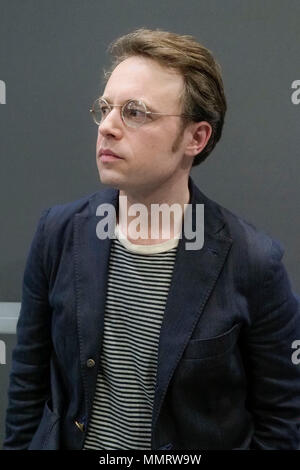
{"points": [[194, 276], [91, 259]]}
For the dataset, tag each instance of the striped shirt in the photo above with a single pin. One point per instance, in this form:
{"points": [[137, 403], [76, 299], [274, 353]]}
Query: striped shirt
{"points": [[138, 283]]}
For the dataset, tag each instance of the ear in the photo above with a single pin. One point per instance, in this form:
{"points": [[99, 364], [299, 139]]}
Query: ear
{"points": [[198, 136]]}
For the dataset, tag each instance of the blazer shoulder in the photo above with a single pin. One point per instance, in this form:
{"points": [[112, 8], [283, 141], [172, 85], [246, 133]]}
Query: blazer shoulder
{"points": [[58, 217], [248, 240]]}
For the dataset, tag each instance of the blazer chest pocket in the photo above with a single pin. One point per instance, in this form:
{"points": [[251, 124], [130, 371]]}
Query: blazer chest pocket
{"points": [[212, 348]]}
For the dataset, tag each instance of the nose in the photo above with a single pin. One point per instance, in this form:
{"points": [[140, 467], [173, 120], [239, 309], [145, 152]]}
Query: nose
{"points": [[112, 124]]}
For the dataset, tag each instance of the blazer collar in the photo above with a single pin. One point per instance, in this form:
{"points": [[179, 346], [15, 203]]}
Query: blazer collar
{"points": [[214, 221]]}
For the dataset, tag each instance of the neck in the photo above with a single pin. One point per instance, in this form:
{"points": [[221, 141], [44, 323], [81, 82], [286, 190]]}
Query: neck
{"points": [[151, 217]]}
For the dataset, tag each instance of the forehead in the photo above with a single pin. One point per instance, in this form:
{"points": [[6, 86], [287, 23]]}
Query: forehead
{"points": [[139, 77]]}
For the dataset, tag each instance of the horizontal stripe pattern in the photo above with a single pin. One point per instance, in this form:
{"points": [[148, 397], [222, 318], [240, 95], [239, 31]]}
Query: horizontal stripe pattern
{"points": [[138, 286]]}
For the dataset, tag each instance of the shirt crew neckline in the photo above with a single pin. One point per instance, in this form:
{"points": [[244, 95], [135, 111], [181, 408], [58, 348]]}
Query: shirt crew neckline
{"points": [[146, 249]]}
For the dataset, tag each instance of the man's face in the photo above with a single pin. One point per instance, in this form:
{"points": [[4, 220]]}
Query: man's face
{"points": [[153, 154]]}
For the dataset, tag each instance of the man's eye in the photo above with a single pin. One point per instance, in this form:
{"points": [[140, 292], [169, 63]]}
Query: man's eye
{"points": [[136, 112], [104, 109]]}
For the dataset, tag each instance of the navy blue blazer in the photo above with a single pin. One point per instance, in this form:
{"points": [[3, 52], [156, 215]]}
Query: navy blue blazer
{"points": [[225, 377]]}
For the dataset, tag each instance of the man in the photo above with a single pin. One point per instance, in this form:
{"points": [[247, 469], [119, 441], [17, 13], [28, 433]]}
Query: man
{"points": [[136, 342]]}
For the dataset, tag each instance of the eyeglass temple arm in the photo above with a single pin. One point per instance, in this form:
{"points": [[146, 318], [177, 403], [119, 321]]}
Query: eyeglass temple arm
{"points": [[164, 114]]}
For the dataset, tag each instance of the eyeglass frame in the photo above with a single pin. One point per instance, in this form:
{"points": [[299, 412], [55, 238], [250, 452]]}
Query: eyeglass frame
{"points": [[122, 106]]}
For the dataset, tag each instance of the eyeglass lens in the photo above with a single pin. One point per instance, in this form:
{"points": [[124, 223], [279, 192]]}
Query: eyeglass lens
{"points": [[134, 112]]}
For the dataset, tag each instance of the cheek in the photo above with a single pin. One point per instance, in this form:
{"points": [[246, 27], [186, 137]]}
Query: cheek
{"points": [[155, 142], [144, 147]]}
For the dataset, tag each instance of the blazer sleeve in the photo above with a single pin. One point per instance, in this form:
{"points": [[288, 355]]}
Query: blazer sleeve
{"points": [[274, 380], [29, 380]]}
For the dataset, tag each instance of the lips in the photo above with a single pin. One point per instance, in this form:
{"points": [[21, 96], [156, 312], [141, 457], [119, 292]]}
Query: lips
{"points": [[108, 155]]}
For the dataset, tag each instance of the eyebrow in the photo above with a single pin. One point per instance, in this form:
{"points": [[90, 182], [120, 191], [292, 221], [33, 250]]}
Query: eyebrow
{"points": [[149, 107]]}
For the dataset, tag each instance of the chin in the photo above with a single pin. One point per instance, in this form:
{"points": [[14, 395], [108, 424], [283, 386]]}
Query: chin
{"points": [[110, 180]]}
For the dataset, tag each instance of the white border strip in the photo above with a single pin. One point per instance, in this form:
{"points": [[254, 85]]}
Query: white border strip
{"points": [[9, 314]]}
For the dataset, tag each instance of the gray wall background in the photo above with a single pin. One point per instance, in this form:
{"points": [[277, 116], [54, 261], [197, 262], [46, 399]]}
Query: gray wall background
{"points": [[52, 53]]}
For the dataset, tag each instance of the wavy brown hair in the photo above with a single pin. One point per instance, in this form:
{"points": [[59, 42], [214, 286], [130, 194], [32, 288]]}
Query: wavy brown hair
{"points": [[203, 95]]}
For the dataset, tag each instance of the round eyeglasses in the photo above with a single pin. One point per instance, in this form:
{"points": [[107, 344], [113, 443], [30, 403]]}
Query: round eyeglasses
{"points": [[134, 113]]}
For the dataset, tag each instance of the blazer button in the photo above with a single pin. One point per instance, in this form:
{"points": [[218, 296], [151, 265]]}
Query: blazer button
{"points": [[90, 363], [80, 426]]}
